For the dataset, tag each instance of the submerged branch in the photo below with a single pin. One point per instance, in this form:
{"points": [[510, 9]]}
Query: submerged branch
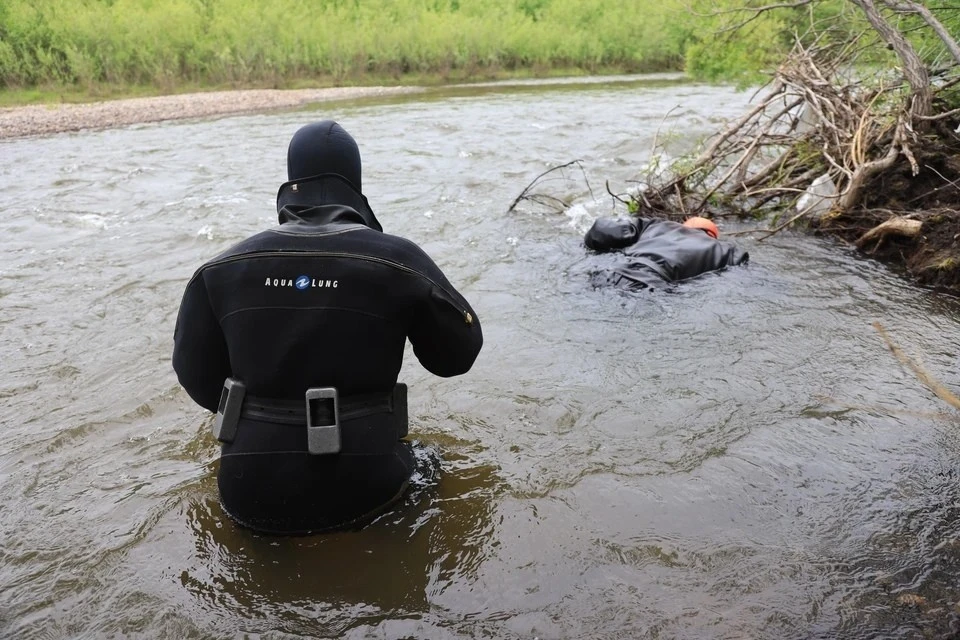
{"points": [[527, 195], [934, 385]]}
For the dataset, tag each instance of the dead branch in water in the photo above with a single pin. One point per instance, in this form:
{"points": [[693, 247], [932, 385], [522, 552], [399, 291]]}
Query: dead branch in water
{"points": [[932, 383], [545, 199]]}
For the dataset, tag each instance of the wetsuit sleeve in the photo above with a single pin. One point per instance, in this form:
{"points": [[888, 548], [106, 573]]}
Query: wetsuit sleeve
{"points": [[445, 332], [714, 256], [730, 256], [200, 355]]}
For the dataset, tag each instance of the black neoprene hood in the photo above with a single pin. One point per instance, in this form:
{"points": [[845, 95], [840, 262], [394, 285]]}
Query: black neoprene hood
{"points": [[324, 147], [611, 233], [323, 168]]}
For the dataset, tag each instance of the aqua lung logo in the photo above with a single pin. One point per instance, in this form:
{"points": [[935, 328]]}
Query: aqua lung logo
{"points": [[302, 283]]}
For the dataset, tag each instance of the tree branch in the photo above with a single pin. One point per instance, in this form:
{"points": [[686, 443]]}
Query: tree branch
{"points": [[757, 12], [526, 195], [912, 7], [913, 68], [867, 170]]}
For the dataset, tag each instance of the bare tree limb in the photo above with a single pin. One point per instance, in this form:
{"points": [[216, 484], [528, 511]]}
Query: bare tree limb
{"points": [[656, 137], [786, 224], [726, 176], [680, 198], [867, 170], [796, 186], [896, 226], [907, 6], [913, 67], [766, 170], [941, 116], [769, 7], [710, 151], [934, 385], [756, 13], [949, 183], [526, 195], [621, 200]]}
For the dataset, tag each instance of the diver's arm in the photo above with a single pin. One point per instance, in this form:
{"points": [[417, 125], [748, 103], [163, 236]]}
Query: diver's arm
{"points": [[727, 254], [445, 332], [723, 255], [200, 355], [736, 255]]}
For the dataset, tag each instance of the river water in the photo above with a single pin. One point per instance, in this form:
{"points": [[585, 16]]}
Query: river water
{"points": [[742, 458]]}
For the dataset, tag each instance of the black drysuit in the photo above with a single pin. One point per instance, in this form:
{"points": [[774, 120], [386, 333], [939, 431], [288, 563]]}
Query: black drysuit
{"points": [[657, 253], [325, 299]]}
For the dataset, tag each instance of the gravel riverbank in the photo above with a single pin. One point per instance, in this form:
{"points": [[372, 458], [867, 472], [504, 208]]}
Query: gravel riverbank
{"points": [[34, 120]]}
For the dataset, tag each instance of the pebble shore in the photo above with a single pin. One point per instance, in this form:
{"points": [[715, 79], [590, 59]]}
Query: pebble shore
{"points": [[33, 120]]}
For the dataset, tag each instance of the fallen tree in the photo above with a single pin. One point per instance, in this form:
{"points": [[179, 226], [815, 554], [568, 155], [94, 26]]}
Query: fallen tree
{"points": [[841, 144]]}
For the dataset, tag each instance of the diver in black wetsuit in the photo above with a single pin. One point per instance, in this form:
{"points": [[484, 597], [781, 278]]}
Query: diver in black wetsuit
{"points": [[658, 253], [307, 323]]}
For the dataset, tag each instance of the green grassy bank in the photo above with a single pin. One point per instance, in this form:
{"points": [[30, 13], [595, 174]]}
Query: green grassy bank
{"points": [[91, 46], [67, 50]]}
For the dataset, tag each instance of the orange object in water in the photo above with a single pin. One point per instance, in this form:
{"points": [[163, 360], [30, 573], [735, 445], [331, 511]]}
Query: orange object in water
{"points": [[696, 222]]}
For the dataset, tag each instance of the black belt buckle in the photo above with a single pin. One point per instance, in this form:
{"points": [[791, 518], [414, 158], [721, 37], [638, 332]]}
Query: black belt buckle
{"points": [[228, 412], [323, 438]]}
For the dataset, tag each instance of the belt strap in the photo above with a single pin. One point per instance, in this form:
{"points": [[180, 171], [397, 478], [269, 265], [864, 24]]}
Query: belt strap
{"points": [[294, 412]]}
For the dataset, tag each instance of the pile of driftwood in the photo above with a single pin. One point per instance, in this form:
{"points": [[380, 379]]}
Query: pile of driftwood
{"points": [[840, 141], [833, 141]]}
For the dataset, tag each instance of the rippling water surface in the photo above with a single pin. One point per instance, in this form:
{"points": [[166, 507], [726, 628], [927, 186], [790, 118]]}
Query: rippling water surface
{"points": [[744, 458]]}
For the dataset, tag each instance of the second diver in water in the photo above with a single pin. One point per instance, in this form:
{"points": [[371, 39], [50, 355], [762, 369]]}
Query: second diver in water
{"points": [[658, 253]]}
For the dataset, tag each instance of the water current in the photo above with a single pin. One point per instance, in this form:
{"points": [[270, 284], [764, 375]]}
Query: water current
{"points": [[741, 458]]}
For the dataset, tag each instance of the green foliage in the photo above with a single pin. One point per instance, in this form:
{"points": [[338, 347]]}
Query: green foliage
{"points": [[734, 42], [737, 44], [275, 42], [168, 42], [925, 40]]}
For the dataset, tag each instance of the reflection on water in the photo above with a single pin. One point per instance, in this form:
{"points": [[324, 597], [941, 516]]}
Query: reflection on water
{"points": [[742, 458], [438, 535], [900, 575]]}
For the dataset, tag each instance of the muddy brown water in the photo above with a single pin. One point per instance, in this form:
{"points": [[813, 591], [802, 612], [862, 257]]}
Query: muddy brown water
{"points": [[743, 458]]}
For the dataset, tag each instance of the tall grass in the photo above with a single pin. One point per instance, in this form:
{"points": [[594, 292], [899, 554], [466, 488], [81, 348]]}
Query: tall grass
{"points": [[166, 43]]}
